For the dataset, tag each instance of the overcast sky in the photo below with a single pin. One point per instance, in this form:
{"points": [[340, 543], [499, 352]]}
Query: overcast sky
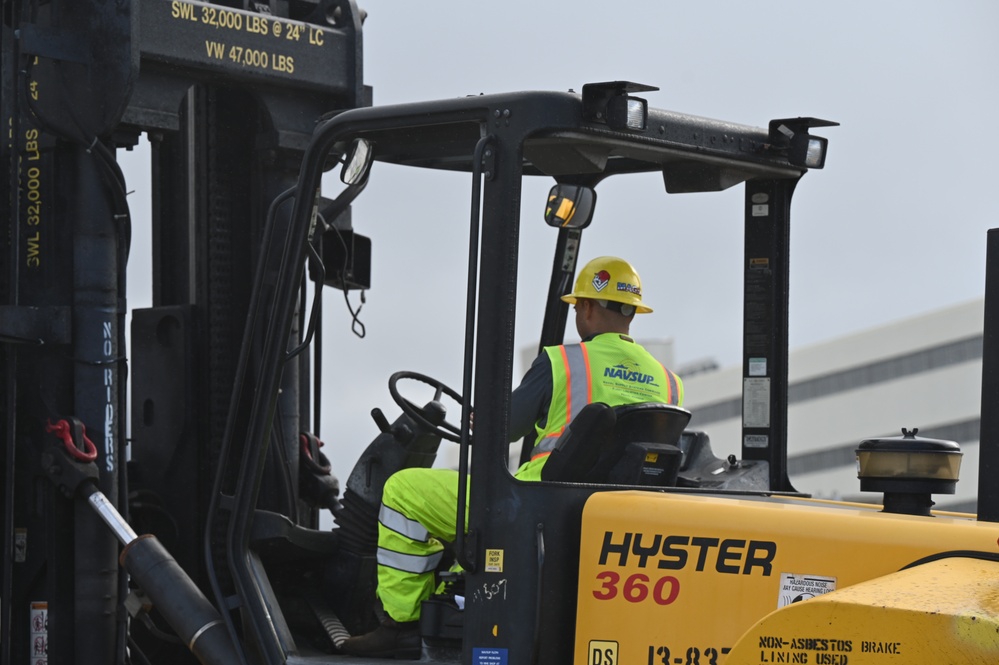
{"points": [[893, 226]]}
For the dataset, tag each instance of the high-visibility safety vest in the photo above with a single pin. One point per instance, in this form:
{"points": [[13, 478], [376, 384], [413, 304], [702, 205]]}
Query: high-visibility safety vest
{"points": [[610, 368]]}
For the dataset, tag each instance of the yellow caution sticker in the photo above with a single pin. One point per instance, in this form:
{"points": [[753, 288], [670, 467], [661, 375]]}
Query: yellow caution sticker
{"points": [[494, 561]]}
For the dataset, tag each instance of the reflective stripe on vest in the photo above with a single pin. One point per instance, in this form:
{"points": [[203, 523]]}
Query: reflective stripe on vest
{"points": [[674, 397], [577, 393], [409, 563], [577, 370]]}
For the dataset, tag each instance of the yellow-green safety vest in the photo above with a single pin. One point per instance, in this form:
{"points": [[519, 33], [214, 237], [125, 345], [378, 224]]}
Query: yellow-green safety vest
{"points": [[610, 368]]}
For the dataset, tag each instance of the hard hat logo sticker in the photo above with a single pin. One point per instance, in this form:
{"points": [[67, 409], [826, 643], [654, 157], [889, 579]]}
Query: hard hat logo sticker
{"points": [[601, 280], [630, 288]]}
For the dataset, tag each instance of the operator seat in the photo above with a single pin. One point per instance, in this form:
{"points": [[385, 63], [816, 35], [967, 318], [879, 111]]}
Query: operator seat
{"points": [[632, 444]]}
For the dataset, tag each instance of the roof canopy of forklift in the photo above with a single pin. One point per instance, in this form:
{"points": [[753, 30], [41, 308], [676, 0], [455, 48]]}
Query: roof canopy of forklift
{"points": [[561, 139]]}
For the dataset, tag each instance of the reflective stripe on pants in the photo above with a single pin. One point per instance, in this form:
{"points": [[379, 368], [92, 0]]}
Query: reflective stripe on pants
{"points": [[419, 510]]}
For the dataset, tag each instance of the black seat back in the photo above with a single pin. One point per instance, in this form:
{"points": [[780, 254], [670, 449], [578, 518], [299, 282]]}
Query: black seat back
{"points": [[631, 444], [576, 452], [650, 422]]}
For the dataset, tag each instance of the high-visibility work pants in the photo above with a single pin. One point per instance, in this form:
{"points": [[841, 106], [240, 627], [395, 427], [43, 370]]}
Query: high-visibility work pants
{"points": [[419, 511]]}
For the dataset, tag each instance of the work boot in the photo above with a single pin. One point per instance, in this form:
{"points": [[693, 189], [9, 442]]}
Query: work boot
{"points": [[391, 639]]}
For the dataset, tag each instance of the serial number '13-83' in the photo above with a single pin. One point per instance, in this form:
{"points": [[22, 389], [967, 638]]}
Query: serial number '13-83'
{"points": [[694, 656], [637, 588]]}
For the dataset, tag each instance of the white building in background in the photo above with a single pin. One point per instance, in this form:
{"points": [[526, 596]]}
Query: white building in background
{"points": [[924, 372]]}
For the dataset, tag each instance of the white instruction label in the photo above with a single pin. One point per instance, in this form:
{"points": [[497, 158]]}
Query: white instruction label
{"points": [[796, 588], [756, 402]]}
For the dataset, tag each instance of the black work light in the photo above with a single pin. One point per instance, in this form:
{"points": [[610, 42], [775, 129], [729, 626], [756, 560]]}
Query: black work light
{"points": [[808, 151], [625, 112], [611, 104], [791, 136]]}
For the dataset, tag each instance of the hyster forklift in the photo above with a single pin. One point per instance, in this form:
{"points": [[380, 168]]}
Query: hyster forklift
{"points": [[651, 550]]}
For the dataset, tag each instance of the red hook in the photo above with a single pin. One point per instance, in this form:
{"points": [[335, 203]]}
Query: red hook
{"points": [[62, 430]]}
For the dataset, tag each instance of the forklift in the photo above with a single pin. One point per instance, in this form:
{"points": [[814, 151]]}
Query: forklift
{"points": [[680, 558]]}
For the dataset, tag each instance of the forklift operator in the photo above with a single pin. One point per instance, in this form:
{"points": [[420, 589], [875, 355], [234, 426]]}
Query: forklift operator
{"points": [[419, 506]]}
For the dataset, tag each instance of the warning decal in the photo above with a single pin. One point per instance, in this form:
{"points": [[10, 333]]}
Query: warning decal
{"points": [[494, 561], [482, 656], [39, 633], [756, 402], [796, 588]]}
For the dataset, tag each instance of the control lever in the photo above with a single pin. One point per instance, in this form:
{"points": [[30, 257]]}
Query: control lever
{"points": [[381, 420], [400, 432]]}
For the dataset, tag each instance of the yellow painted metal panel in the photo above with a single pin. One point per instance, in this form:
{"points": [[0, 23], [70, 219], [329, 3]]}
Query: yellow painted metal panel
{"points": [[676, 579], [946, 611]]}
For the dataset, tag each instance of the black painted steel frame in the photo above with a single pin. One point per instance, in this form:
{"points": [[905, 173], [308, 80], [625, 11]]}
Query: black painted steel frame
{"points": [[63, 289]]}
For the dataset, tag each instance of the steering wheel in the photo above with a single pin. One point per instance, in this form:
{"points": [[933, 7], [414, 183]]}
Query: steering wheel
{"points": [[445, 429]]}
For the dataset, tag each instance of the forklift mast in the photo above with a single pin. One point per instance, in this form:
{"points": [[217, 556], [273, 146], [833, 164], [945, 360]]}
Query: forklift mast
{"points": [[227, 94]]}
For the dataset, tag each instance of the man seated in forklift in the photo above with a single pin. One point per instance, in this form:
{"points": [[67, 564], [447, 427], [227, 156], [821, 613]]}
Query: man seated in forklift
{"points": [[419, 506]]}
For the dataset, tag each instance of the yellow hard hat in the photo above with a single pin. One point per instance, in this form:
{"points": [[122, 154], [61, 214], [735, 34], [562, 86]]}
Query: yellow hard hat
{"points": [[609, 278]]}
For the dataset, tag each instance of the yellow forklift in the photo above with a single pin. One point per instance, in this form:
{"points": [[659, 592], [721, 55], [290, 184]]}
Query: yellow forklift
{"points": [[703, 559]]}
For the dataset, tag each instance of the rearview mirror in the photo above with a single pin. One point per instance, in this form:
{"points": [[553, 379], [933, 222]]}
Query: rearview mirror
{"points": [[357, 162], [570, 206]]}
